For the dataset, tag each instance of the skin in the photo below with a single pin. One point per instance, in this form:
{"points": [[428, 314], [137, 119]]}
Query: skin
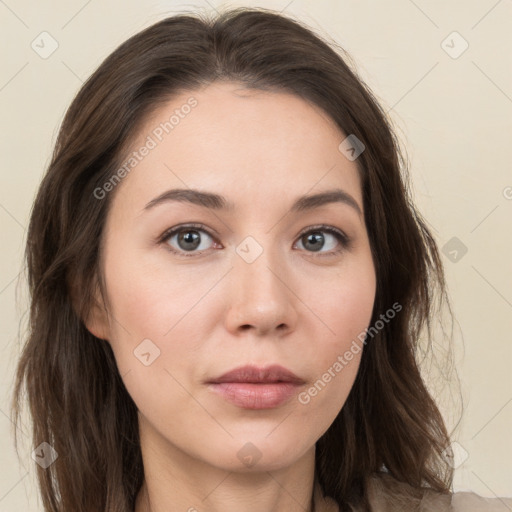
{"points": [[212, 312]]}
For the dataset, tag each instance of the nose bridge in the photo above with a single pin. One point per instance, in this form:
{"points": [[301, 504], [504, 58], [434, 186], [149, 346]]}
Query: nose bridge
{"points": [[260, 296], [257, 265]]}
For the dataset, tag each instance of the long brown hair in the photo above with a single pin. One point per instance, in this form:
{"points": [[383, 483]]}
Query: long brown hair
{"points": [[389, 424]]}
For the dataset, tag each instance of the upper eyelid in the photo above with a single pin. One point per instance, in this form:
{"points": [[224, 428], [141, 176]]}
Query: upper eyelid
{"points": [[200, 227], [176, 229]]}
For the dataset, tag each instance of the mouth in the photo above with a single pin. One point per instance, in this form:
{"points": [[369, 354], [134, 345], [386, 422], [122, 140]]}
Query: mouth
{"points": [[250, 387]]}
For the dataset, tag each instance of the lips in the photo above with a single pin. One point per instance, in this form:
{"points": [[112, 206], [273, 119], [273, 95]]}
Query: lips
{"points": [[253, 375], [251, 387]]}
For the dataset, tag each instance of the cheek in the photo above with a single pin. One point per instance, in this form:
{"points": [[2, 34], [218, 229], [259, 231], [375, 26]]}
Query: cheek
{"points": [[351, 307], [343, 304], [155, 318], [151, 295]]}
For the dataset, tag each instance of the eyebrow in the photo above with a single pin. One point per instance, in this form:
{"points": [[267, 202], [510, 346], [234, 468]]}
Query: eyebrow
{"points": [[218, 202]]}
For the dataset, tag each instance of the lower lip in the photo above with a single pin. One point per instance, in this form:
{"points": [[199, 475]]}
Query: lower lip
{"points": [[255, 396]]}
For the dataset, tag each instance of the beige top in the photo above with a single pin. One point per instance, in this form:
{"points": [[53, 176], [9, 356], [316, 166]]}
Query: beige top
{"points": [[395, 501], [468, 501]]}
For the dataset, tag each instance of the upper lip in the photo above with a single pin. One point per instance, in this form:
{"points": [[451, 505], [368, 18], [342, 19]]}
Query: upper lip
{"points": [[254, 374]]}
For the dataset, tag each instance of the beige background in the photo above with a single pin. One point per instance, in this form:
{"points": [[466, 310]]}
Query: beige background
{"points": [[454, 116]]}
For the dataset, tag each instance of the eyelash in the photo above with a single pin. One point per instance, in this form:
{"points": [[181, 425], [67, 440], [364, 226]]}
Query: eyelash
{"points": [[342, 238]]}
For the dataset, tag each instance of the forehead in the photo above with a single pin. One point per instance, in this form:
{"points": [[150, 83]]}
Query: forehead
{"points": [[225, 137]]}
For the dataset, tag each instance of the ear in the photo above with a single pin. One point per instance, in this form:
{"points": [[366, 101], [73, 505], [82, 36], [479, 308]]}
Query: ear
{"points": [[96, 321]]}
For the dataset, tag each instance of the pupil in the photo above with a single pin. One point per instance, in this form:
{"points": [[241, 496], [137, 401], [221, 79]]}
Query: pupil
{"points": [[189, 238]]}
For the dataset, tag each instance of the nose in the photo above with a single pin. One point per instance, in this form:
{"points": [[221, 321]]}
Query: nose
{"points": [[262, 299]]}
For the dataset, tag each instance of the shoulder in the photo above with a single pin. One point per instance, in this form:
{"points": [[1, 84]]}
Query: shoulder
{"points": [[386, 494], [471, 502], [389, 495]]}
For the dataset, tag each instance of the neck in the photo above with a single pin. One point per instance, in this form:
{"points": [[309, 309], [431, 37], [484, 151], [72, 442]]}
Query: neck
{"points": [[317, 503], [174, 480]]}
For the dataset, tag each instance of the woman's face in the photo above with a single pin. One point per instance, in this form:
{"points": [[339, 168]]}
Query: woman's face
{"points": [[259, 283]]}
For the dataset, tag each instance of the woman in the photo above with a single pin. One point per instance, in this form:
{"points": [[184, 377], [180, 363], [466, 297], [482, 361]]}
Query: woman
{"points": [[228, 284]]}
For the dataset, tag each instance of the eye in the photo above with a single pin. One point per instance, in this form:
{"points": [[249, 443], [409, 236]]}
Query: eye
{"points": [[314, 240], [192, 239]]}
